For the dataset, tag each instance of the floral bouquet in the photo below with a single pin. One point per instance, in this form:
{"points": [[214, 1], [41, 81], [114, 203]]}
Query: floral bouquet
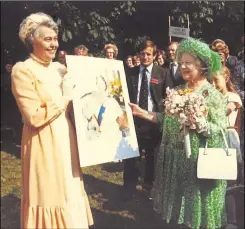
{"points": [[190, 110], [116, 90]]}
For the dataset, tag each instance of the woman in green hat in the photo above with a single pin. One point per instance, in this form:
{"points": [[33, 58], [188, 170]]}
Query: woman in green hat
{"points": [[179, 196]]}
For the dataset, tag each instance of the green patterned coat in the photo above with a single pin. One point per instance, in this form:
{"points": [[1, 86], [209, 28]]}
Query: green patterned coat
{"points": [[178, 194]]}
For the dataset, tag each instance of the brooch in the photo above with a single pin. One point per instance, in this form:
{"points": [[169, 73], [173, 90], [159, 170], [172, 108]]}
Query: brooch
{"points": [[205, 93]]}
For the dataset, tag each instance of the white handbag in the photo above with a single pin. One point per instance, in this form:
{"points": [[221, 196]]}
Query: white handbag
{"points": [[217, 163]]}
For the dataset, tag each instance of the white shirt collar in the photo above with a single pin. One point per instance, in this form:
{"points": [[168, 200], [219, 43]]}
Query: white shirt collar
{"points": [[149, 68]]}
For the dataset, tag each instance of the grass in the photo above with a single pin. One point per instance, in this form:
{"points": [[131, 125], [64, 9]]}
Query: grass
{"points": [[10, 190], [10, 174], [103, 184]]}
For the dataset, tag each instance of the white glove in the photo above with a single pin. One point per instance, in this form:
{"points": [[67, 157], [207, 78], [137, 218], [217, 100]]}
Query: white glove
{"points": [[203, 127], [68, 86]]}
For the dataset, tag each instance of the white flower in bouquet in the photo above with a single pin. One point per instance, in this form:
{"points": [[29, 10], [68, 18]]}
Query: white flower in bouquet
{"points": [[196, 108], [173, 106], [191, 111], [182, 103], [178, 99]]}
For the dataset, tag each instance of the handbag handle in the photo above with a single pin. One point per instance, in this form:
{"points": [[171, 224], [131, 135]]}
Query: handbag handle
{"points": [[226, 144]]}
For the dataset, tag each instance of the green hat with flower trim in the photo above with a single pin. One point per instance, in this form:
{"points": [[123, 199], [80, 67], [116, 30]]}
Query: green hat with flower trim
{"points": [[203, 52]]}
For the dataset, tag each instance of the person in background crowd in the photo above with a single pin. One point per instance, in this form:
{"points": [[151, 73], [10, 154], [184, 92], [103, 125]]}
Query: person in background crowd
{"points": [[61, 57], [161, 58], [6, 95], [155, 63], [9, 106], [147, 85], [239, 72], [222, 82], [6, 77], [136, 60], [53, 194], [183, 200], [129, 61], [111, 51], [241, 53], [173, 65], [81, 50], [227, 60], [6, 86]]}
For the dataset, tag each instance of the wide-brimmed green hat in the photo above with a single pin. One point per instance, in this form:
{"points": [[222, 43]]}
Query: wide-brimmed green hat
{"points": [[203, 52]]}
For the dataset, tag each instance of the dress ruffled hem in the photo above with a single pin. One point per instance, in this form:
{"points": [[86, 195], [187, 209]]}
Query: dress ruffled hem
{"points": [[73, 215]]}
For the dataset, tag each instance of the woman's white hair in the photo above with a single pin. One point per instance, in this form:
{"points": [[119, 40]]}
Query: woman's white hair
{"points": [[30, 24]]}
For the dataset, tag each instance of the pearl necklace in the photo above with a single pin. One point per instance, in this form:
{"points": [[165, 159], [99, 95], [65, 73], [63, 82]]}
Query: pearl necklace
{"points": [[39, 60]]}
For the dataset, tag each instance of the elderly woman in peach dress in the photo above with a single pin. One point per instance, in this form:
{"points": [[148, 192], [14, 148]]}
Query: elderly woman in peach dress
{"points": [[53, 194]]}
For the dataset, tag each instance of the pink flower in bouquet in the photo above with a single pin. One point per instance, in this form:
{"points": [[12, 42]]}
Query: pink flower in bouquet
{"points": [[179, 110], [204, 110], [183, 118], [187, 106], [172, 111]]}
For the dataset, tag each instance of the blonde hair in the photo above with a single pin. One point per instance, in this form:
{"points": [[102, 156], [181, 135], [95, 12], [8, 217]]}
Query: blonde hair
{"points": [[229, 84], [114, 47], [29, 26], [231, 88], [148, 44]]}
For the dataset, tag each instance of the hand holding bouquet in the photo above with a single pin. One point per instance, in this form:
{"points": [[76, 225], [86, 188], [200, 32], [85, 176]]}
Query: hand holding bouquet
{"points": [[190, 110]]}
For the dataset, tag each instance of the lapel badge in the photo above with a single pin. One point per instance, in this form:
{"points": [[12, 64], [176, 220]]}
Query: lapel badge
{"points": [[154, 80]]}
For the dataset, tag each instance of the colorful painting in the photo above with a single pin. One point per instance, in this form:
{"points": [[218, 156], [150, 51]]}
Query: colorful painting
{"points": [[103, 119]]}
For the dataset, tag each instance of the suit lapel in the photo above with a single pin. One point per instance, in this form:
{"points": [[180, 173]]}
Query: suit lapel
{"points": [[171, 72], [177, 73], [153, 85], [154, 75]]}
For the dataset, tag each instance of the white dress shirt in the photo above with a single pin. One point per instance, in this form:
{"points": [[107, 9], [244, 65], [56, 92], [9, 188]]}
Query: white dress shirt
{"points": [[148, 74]]}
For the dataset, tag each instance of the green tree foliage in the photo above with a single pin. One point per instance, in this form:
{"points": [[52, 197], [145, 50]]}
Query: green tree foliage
{"points": [[210, 20], [125, 24]]}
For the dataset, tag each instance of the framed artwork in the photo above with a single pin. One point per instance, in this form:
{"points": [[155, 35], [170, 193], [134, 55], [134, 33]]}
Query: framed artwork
{"points": [[104, 122]]}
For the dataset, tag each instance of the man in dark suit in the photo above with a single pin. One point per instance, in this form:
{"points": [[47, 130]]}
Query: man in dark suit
{"points": [[173, 64], [147, 85]]}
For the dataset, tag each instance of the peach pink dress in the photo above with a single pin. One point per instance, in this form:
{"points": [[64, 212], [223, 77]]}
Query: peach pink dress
{"points": [[53, 194]]}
